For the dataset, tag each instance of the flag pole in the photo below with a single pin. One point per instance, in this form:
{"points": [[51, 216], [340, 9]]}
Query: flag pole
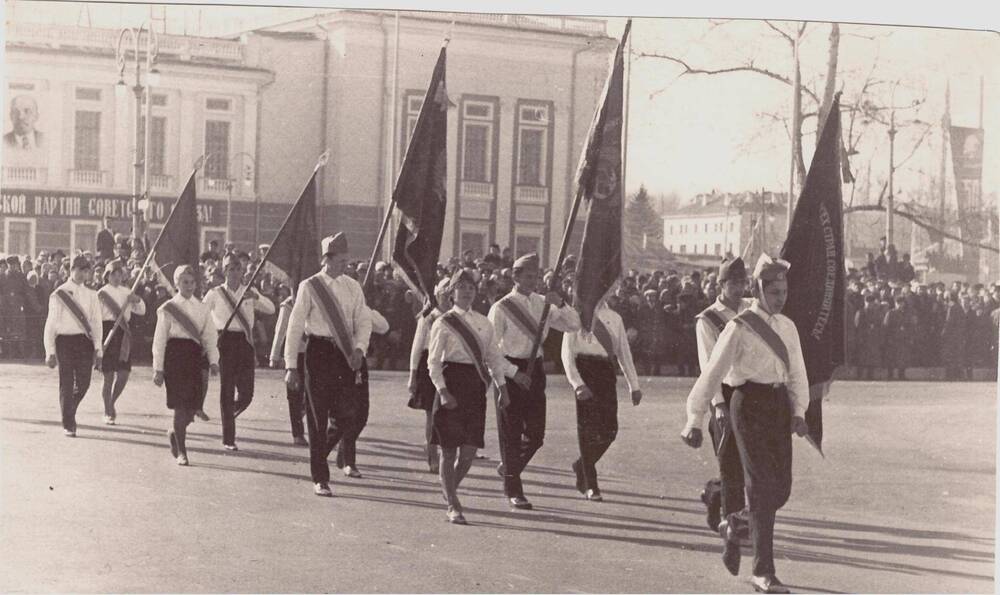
{"points": [[323, 158], [387, 218], [568, 230], [149, 256]]}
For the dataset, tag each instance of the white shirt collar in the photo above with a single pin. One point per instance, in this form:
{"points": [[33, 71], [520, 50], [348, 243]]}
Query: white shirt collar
{"points": [[460, 311], [759, 310]]}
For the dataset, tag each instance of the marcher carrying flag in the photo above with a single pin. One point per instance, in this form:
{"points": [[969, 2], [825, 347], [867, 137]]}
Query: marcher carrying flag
{"points": [[420, 191], [816, 286]]}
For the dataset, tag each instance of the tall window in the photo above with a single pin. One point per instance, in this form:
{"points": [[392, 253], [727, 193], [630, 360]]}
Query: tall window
{"points": [[87, 141], [157, 143], [477, 143], [217, 147], [532, 141], [414, 102]]}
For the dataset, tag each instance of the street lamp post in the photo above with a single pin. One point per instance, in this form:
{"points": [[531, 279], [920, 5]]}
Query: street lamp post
{"points": [[121, 58], [247, 179]]}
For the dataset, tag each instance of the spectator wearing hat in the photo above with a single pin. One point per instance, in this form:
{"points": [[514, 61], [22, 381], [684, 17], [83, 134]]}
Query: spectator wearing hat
{"points": [[897, 334], [653, 334], [955, 337], [420, 386], [73, 339], [13, 301], [330, 313], [236, 342], [118, 304], [34, 320], [516, 317], [687, 339], [868, 324], [184, 339], [463, 360], [723, 496], [760, 356], [590, 359]]}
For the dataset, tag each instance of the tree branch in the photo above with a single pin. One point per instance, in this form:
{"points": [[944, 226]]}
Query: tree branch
{"points": [[917, 221]]}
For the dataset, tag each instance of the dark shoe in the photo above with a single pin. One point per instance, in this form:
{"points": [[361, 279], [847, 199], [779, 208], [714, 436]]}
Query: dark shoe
{"points": [[300, 441], [520, 503], [713, 502], [434, 468], [767, 584], [200, 414], [731, 557], [581, 481], [594, 495], [322, 489], [174, 449]]}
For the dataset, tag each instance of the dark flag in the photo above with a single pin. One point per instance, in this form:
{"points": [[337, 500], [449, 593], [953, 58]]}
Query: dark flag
{"points": [[294, 253], [420, 193], [599, 181], [816, 286], [177, 243]]}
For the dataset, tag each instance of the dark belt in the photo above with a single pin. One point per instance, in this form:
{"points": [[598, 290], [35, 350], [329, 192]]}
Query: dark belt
{"points": [[240, 333], [587, 357], [521, 361], [772, 386]]}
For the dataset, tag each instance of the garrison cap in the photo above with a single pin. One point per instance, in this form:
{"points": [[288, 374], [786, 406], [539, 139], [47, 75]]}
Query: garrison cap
{"points": [[114, 265], [771, 269], [335, 244], [732, 269], [460, 276], [230, 260], [81, 262], [528, 261]]}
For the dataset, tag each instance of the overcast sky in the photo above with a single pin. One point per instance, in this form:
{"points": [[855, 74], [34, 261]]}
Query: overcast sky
{"points": [[695, 134]]}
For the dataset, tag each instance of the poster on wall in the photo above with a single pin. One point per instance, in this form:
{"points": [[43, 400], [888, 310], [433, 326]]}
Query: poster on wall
{"points": [[26, 139]]}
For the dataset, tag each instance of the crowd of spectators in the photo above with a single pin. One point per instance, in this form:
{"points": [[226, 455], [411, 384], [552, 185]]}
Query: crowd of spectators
{"points": [[893, 321]]}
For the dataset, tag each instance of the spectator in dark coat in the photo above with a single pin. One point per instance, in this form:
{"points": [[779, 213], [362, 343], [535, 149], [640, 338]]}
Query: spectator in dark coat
{"points": [[954, 335], [868, 324], [897, 342]]}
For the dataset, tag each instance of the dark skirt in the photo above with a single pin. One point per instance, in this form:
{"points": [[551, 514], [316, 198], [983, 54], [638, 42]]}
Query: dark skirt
{"points": [[182, 374], [465, 425], [112, 361], [426, 391], [761, 423]]}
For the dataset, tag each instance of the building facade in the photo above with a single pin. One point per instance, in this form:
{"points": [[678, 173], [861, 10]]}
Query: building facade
{"points": [[264, 104]]}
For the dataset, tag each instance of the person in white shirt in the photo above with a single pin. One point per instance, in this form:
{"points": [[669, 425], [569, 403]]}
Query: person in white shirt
{"points": [[117, 362], [296, 398], [463, 360], [723, 496], [72, 339], [420, 386], [184, 337], [331, 315], [236, 349], [590, 359], [760, 356], [521, 426]]}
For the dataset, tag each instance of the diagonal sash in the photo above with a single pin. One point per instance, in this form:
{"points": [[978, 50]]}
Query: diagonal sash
{"points": [[184, 320], [470, 342], [334, 316], [116, 311], [76, 310], [521, 317], [715, 318], [756, 324], [240, 316]]}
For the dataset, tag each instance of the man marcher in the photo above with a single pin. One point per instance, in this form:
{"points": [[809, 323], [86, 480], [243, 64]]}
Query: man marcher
{"points": [[521, 424], [463, 361], [236, 349], [117, 362], [184, 338], [296, 398], [589, 360], [330, 312], [723, 496], [420, 386], [72, 340], [759, 355]]}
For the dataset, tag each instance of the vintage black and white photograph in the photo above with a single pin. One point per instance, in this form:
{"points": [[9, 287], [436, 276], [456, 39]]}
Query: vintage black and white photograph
{"points": [[494, 297]]}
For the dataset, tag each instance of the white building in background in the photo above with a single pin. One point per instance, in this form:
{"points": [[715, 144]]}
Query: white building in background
{"points": [[716, 225]]}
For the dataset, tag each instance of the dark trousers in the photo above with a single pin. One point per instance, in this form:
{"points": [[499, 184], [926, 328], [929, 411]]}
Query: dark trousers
{"points": [[297, 401], [347, 452], [761, 421], [728, 455], [236, 366], [521, 426], [597, 417], [329, 407], [75, 354]]}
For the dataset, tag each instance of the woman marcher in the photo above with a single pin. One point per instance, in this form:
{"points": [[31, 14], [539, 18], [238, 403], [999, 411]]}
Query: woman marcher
{"points": [[462, 360], [117, 302], [759, 355], [185, 334]]}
